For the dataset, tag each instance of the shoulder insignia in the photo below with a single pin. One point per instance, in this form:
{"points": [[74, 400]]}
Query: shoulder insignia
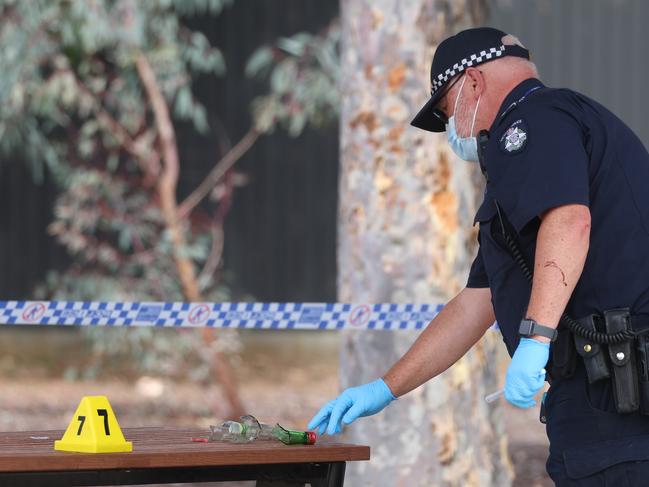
{"points": [[514, 138]]}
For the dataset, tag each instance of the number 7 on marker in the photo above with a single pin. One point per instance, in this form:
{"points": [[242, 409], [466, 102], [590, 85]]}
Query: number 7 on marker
{"points": [[82, 419], [101, 412], [104, 413]]}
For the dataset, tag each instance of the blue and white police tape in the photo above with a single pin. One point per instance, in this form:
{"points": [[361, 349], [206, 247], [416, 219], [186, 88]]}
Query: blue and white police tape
{"points": [[300, 316]]}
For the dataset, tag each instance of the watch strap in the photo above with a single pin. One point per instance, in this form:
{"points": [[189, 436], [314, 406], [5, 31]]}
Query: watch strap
{"points": [[529, 328]]}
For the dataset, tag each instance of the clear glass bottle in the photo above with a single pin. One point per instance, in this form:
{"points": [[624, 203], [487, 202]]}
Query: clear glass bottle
{"points": [[250, 429], [228, 431]]}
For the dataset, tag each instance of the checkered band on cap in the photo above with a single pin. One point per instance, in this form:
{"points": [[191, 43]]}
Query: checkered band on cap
{"points": [[460, 66]]}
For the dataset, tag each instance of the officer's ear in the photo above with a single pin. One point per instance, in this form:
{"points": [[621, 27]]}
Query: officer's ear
{"points": [[476, 82]]}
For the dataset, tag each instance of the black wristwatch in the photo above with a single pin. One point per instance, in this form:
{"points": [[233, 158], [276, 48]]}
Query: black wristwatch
{"points": [[529, 328]]}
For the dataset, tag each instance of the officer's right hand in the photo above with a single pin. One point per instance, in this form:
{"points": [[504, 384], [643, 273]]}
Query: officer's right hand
{"points": [[526, 372], [353, 403]]}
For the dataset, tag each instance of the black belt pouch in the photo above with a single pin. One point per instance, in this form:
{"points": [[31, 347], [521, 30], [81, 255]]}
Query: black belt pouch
{"points": [[593, 354], [622, 355], [564, 358], [643, 371]]}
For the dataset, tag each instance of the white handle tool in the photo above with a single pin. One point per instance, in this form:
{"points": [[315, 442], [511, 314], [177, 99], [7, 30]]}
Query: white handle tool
{"points": [[489, 398]]}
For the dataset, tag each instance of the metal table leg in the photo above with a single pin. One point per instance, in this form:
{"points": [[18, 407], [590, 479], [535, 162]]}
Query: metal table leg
{"points": [[335, 476]]}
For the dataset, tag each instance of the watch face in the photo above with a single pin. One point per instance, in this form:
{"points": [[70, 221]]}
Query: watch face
{"points": [[529, 328]]}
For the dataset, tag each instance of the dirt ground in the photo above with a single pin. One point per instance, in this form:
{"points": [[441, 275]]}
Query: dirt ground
{"points": [[290, 392]]}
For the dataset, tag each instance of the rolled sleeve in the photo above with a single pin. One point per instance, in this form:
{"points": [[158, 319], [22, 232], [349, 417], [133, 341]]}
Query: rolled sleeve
{"points": [[477, 274]]}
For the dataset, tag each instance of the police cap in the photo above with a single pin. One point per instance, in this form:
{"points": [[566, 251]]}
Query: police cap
{"points": [[465, 49]]}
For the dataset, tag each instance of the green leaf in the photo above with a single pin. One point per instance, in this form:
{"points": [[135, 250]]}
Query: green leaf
{"points": [[124, 240], [297, 123], [295, 45], [259, 62], [283, 76], [183, 105], [199, 117]]}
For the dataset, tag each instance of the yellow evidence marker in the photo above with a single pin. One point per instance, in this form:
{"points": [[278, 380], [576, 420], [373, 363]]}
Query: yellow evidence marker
{"points": [[94, 429]]}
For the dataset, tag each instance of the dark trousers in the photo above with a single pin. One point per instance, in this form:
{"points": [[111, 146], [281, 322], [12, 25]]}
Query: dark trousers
{"points": [[591, 445]]}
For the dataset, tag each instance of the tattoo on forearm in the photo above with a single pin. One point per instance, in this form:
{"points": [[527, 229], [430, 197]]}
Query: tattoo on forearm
{"points": [[552, 263]]}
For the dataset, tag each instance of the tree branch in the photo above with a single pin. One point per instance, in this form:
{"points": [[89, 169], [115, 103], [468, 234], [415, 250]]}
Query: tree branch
{"points": [[167, 191], [218, 241], [219, 170], [168, 180], [214, 258]]}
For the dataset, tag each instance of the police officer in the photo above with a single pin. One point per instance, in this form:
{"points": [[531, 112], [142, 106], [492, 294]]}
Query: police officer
{"points": [[564, 253]]}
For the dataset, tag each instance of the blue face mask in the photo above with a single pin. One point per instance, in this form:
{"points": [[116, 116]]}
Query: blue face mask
{"points": [[465, 147]]}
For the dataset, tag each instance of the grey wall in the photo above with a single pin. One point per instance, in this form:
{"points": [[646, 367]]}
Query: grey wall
{"points": [[597, 47], [280, 235]]}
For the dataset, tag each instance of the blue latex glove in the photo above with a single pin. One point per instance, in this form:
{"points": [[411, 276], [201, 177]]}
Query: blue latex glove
{"points": [[525, 375], [353, 403]]}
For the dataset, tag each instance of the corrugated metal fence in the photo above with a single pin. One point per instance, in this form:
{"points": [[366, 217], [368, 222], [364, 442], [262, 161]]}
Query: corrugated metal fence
{"points": [[597, 47]]}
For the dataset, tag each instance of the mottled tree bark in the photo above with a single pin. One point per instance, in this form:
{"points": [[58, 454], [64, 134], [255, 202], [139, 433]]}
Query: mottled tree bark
{"points": [[405, 235]]}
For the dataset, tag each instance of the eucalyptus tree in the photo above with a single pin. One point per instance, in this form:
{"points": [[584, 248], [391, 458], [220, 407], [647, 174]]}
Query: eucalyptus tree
{"points": [[406, 204]]}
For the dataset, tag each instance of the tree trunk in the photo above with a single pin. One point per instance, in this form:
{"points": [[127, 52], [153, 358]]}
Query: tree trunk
{"points": [[405, 235]]}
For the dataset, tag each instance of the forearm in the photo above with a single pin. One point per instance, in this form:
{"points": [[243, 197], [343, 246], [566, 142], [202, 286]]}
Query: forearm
{"points": [[561, 249], [457, 327]]}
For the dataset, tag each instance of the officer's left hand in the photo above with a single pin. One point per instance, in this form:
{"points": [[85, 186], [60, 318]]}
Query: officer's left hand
{"points": [[525, 375], [353, 403]]}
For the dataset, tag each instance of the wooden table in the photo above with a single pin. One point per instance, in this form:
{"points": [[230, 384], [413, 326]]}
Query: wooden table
{"points": [[167, 455]]}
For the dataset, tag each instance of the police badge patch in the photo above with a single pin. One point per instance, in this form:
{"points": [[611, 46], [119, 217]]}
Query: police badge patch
{"points": [[514, 138]]}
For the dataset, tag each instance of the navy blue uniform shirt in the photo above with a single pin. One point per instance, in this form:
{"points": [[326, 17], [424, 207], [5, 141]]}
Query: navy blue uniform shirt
{"points": [[551, 147]]}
